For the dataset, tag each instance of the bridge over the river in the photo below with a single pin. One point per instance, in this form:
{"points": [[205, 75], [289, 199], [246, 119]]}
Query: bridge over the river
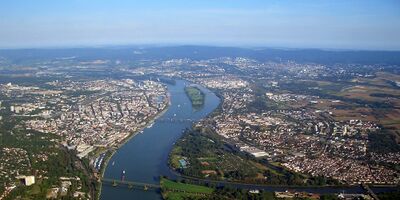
{"points": [[130, 184], [174, 120], [181, 120]]}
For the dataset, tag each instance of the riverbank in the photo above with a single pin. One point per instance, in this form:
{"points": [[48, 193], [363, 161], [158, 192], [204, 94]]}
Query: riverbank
{"points": [[115, 149], [326, 189], [172, 190]]}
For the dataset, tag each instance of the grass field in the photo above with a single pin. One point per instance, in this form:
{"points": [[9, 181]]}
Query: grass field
{"points": [[175, 191]]}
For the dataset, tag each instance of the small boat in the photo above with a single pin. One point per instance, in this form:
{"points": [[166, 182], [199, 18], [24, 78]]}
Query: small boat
{"points": [[113, 163], [179, 105], [123, 175], [174, 115]]}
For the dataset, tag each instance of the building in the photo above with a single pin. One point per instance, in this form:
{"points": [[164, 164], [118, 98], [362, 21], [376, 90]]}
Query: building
{"points": [[26, 180]]}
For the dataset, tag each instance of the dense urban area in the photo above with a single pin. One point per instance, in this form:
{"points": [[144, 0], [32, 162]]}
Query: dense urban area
{"points": [[280, 122]]}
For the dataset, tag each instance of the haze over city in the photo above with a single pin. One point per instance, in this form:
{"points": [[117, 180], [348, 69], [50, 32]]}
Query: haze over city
{"points": [[343, 24]]}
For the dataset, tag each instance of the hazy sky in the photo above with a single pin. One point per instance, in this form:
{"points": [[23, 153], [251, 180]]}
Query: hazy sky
{"points": [[343, 24]]}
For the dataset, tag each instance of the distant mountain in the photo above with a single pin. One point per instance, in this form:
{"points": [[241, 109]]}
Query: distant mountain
{"points": [[205, 52]]}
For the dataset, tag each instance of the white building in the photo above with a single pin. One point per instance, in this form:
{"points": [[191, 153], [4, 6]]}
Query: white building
{"points": [[27, 180]]}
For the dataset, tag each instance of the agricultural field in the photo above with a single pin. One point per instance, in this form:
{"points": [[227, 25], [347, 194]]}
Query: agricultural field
{"points": [[375, 99]]}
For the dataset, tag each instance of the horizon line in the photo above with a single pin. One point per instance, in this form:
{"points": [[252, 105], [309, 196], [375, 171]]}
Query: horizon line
{"points": [[161, 45]]}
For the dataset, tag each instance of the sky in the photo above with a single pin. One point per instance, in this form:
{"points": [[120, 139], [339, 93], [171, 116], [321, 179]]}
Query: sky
{"points": [[328, 24]]}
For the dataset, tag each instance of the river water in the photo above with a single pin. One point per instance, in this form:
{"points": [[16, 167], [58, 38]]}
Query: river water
{"points": [[145, 156]]}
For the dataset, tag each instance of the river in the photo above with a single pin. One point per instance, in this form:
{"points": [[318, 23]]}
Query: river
{"points": [[145, 156]]}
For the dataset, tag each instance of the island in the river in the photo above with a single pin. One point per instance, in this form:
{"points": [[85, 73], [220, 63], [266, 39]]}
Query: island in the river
{"points": [[195, 95]]}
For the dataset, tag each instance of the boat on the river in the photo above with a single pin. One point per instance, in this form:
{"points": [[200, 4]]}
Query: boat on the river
{"points": [[123, 175]]}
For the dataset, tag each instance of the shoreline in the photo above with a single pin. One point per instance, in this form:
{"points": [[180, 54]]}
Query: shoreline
{"points": [[132, 135], [260, 186]]}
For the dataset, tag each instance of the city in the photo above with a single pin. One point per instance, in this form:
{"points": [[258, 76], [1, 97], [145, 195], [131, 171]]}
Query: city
{"points": [[200, 100], [305, 132]]}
